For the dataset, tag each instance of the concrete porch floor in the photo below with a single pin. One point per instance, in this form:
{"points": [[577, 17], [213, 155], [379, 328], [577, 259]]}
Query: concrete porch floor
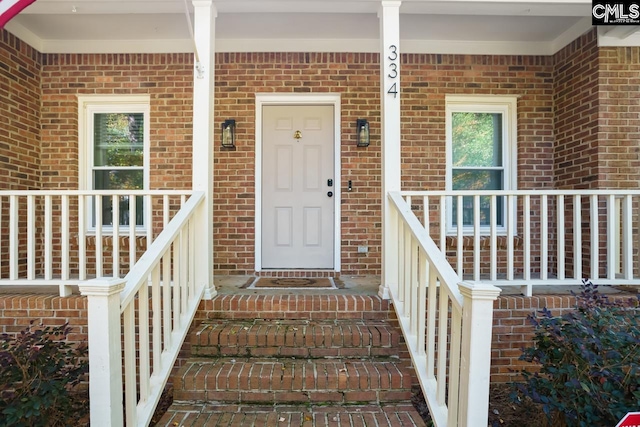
{"points": [[369, 285]]}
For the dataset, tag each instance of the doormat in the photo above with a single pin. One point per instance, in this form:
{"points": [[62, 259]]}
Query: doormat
{"points": [[292, 283]]}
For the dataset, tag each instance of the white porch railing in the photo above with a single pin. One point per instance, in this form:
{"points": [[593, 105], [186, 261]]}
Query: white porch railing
{"points": [[443, 321], [66, 237], [152, 327], [533, 238]]}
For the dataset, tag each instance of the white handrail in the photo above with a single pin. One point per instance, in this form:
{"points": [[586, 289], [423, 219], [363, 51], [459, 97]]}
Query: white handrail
{"points": [[154, 326], [84, 247], [443, 320], [528, 238]]}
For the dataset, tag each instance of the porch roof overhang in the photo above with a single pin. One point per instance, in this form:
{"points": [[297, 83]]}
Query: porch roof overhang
{"points": [[530, 27]]}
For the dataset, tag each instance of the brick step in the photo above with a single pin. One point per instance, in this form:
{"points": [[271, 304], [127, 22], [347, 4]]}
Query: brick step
{"points": [[296, 306], [187, 414], [292, 381], [295, 338]]}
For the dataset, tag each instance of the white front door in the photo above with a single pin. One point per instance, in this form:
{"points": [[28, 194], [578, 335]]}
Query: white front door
{"points": [[298, 192]]}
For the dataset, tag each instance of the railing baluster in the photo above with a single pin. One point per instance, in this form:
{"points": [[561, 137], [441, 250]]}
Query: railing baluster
{"points": [[443, 334], [494, 238], [595, 237], [432, 299], [612, 257], [176, 286], [443, 224], [156, 304], [132, 230], [192, 258], [99, 246], [130, 380], [166, 298], [48, 238], [459, 237], [413, 290], [148, 218], [425, 214], [577, 237], [184, 286], [115, 221], [64, 244], [406, 283], [511, 203], [526, 213], [544, 237], [560, 236], [31, 237], [476, 237], [421, 301], [401, 261], [627, 238], [454, 368], [143, 341], [82, 238]]}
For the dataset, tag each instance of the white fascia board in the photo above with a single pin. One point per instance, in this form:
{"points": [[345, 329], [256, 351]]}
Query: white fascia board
{"points": [[117, 46], [571, 34], [463, 47]]}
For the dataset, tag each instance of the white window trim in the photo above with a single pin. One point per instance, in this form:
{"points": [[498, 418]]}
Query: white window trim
{"points": [[87, 106], [507, 106]]}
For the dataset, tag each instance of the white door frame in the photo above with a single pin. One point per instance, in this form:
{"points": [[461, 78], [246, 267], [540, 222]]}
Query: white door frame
{"points": [[263, 99]]}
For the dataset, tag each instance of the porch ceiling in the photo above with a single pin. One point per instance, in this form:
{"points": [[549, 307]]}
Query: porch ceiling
{"points": [[427, 26]]}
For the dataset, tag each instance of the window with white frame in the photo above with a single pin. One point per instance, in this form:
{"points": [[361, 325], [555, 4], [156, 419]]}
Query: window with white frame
{"points": [[114, 153], [481, 155]]}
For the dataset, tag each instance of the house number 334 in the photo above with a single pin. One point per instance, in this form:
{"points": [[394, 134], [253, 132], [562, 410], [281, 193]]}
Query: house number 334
{"points": [[393, 73]]}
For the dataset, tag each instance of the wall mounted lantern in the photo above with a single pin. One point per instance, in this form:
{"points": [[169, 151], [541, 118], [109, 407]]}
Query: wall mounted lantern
{"points": [[229, 133], [362, 132]]}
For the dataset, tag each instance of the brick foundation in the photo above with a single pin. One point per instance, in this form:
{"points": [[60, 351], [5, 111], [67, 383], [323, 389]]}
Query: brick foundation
{"points": [[511, 331]]}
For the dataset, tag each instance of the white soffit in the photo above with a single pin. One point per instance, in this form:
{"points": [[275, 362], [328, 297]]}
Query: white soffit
{"points": [[532, 27]]}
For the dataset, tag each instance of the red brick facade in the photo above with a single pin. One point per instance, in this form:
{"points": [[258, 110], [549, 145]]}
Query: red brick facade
{"points": [[576, 124]]}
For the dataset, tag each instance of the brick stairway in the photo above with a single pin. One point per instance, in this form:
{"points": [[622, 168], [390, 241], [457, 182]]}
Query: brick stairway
{"points": [[294, 360]]}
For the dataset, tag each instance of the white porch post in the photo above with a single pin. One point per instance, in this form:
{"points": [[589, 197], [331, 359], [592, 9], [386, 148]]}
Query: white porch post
{"points": [[477, 327], [390, 136], [203, 140], [105, 355]]}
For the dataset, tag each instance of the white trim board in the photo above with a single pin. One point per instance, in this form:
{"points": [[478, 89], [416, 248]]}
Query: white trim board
{"points": [[263, 99]]}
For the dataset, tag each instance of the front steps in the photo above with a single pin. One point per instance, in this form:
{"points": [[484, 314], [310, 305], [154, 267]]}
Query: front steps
{"points": [[313, 370]]}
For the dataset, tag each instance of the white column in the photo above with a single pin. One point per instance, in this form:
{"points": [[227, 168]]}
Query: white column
{"points": [[203, 140], [105, 355], [475, 369], [390, 135]]}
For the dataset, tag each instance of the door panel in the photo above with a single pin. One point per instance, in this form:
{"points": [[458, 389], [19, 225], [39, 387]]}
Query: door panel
{"points": [[297, 212]]}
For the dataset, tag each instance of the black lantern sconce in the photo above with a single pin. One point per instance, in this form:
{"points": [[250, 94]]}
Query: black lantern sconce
{"points": [[229, 133], [362, 132]]}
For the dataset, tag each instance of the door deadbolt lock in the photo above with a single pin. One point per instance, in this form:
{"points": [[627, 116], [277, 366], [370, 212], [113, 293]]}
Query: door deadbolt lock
{"points": [[330, 194], [330, 182]]}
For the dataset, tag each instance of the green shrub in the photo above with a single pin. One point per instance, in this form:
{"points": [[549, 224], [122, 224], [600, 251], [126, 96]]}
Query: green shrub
{"points": [[39, 375], [589, 361]]}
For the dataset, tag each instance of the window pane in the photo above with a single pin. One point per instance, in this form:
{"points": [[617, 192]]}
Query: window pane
{"points": [[118, 139], [114, 179], [477, 139], [473, 179], [477, 180], [119, 180], [123, 210]]}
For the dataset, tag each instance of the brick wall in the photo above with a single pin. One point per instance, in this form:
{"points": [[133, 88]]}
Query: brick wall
{"points": [[557, 124], [576, 114], [20, 67], [166, 78], [19, 114], [619, 119], [426, 81]]}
